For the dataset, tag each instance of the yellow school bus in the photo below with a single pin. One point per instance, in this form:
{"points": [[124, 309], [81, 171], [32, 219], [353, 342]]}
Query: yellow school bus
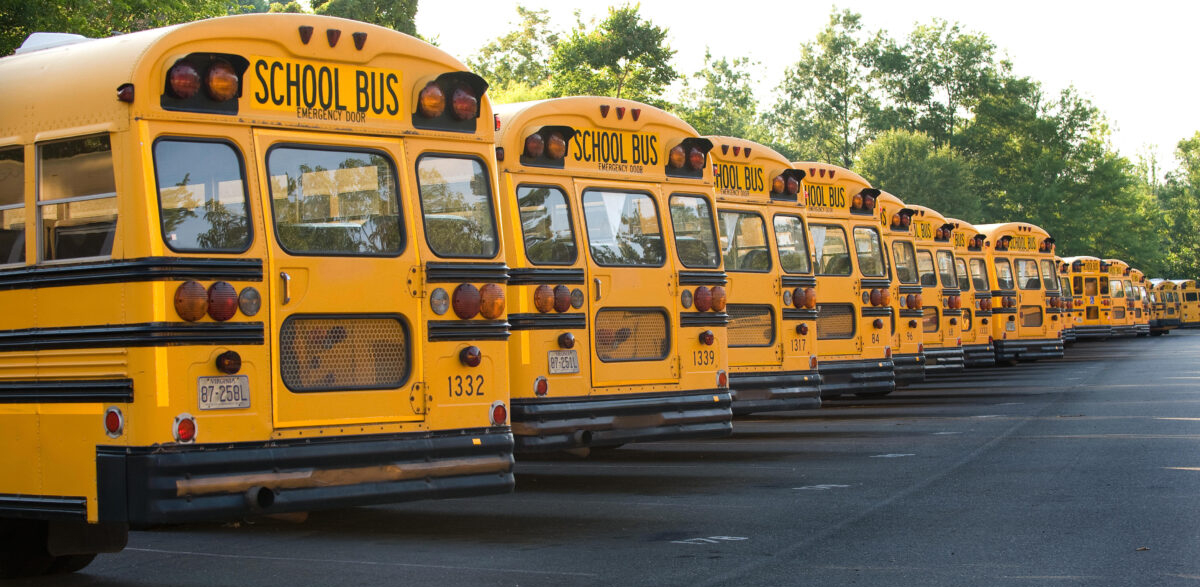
{"points": [[1189, 301], [1166, 311], [617, 289], [971, 267], [1056, 304], [908, 345], [233, 241], [1022, 330], [1141, 302], [773, 298], [855, 323], [943, 315], [1089, 283], [1070, 306], [1120, 288]]}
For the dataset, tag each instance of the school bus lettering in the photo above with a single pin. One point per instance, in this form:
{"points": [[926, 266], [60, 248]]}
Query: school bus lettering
{"points": [[832, 196], [740, 179], [923, 230], [1023, 243], [323, 91], [619, 151], [960, 240]]}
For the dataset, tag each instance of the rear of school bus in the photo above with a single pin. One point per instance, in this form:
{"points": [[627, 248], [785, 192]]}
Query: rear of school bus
{"points": [[1022, 330], [772, 291], [854, 322], [908, 346], [1165, 309], [1140, 306], [1120, 317], [1070, 309], [617, 293], [227, 315], [1089, 284], [970, 264], [1189, 300], [942, 320]]}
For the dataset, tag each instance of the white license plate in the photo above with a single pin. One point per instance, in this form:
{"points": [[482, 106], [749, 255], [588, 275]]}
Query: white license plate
{"points": [[224, 393], [1011, 326], [563, 362]]}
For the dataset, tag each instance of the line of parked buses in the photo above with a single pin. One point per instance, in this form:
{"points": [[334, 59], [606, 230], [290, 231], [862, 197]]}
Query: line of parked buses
{"points": [[276, 263]]}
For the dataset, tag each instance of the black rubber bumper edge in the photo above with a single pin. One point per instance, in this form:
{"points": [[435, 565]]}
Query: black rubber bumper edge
{"points": [[1028, 350], [1093, 332], [869, 377], [777, 391], [550, 425], [941, 361], [979, 355], [144, 486], [910, 368]]}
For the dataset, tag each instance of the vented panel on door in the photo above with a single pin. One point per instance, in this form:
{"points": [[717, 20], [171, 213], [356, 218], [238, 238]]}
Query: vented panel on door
{"points": [[835, 321], [632, 335], [336, 353], [750, 325], [1031, 316]]}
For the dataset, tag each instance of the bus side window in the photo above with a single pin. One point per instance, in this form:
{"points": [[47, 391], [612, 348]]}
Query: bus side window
{"points": [[12, 205], [77, 198]]}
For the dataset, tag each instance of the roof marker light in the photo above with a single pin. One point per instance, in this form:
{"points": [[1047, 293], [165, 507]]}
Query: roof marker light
{"points": [[125, 93], [604, 111], [360, 39], [748, 153], [306, 34], [620, 112], [737, 150], [636, 112], [332, 35]]}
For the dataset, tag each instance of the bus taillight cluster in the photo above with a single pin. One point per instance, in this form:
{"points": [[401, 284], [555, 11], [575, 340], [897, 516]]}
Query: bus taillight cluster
{"points": [[877, 297], [469, 301], [220, 301], [912, 301], [431, 103], [901, 220], [801, 298], [704, 298], [559, 298]]}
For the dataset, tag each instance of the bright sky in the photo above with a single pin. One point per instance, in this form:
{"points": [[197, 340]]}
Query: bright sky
{"points": [[1136, 62]]}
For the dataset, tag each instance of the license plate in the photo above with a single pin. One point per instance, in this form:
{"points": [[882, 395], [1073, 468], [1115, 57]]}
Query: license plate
{"points": [[224, 393], [1010, 326], [563, 362]]}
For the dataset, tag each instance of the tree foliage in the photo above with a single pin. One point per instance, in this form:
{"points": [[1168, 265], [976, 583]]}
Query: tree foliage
{"points": [[719, 100], [399, 15], [518, 60], [624, 56], [908, 163]]}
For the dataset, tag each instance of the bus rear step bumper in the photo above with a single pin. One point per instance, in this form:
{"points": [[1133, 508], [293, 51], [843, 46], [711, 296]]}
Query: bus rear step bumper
{"points": [[774, 391], [550, 425], [1125, 330], [940, 361], [1028, 350], [865, 377], [909, 369], [144, 486], [979, 355], [1092, 332], [1068, 334]]}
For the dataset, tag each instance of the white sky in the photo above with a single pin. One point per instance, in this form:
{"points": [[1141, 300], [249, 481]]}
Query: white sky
{"points": [[1136, 61]]}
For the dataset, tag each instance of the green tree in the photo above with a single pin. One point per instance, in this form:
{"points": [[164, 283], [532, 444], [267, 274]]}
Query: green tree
{"points": [[399, 15], [517, 63], [825, 101], [20, 18], [1179, 202], [624, 56], [910, 166], [719, 100]]}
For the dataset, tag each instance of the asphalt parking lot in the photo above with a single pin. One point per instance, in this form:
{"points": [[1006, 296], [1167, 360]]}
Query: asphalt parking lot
{"points": [[1082, 471]]}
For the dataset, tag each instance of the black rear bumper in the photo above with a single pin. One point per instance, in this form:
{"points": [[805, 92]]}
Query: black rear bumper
{"points": [[979, 355], [1028, 350], [143, 486], [1093, 332], [942, 360], [549, 425], [1125, 330], [774, 391], [909, 368], [1068, 334], [876, 377]]}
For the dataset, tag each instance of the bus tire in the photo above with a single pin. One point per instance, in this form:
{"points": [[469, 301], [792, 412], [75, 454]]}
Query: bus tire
{"points": [[23, 549], [70, 563]]}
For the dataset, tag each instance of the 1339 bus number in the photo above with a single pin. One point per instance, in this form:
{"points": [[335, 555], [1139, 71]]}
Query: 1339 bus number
{"points": [[704, 357], [468, 385]]}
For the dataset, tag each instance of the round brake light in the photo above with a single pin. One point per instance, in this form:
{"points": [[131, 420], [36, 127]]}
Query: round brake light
{"points": [[676, 157], [562, 298], [222, 301], [191, 300], [464, 104], [491, 301], [543, 298], [432, 101], [707, 337], [556, 146], [114, 422], [183, 80], [184, 429], [498, 414], [540, 386], [718, 298], [703, 299], [778, 184], [696, 159], [222, 82], [470, 356], [535, 145], [465, 301]]}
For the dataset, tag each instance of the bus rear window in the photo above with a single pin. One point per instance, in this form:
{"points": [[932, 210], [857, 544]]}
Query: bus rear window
{"points": [[979, 278], [77, 198], [792, 244], [832, 251], [1089, 286], [623, 228], [744, 242], [905, 260], [12, 205], [1004, 274], [201, 196], [945, 261], [456, 203], [1117, 288], [1027, 274], [870, 252], [334, 201], [546, 225], [960, 269], [692, 223]]}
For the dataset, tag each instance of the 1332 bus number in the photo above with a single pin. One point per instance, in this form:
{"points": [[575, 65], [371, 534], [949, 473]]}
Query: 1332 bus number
{"points": [[704, 357], [465, 385]]}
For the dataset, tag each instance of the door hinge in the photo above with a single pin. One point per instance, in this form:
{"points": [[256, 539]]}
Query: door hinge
{"points": [[417, 398], [415, 287]]}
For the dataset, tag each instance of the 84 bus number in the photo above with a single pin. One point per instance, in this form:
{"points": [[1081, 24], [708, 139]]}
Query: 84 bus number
{"points": [[465, 385]]}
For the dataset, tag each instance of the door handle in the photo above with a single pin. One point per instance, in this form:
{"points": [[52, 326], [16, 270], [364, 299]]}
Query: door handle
{"points": [[287, 286], [596, 280]]}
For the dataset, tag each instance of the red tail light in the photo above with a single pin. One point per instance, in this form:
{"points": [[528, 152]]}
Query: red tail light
{"points": [[887, 352], [222, 301], [431, 103], [114, 422], [707, 337], [562, 298], [876, 297], [702, 299], [812, 362], [465, 301], [491, 301], [184, 80], [802, 329], [718, 298], [498, 414], [229, 362], [535, 145], [191, 300], [185, 428], [543, 298], [222, 82], [566, 340], [464, 104], [541, 387], [676, 157], [696, 159], [470, 356], [722, 380], [878, 323], [556, 146]]}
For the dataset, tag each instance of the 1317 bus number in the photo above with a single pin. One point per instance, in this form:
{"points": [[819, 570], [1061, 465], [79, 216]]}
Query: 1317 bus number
{"points": [[465, 385]]}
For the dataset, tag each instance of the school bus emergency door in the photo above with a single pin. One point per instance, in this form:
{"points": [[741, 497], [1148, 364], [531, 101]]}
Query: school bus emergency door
{"points": [[1022, 330], [772, 291], [231, 249], [618, 292], [1189, 299], [1141, 302], [908, 344], [1089, 283], [1071, 312], [1120, 286], [1164, 296], [971, 266], [854, 322], [942, 320]]}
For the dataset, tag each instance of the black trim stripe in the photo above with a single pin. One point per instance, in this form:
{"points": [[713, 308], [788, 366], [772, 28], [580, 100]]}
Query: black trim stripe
{"points": [[983, 313], [569, 321], [799, 281], [951, 312], [871, 282], [869, 311], [539, 276], [794, 314], [446, 330], [911, 289], [1004, 310], [911, 313], [1004, 292], [702, 278], [951, 291], [43, 507], [67, 391], [466, 272], [129, 270], [148, 334], [695, 319]]}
